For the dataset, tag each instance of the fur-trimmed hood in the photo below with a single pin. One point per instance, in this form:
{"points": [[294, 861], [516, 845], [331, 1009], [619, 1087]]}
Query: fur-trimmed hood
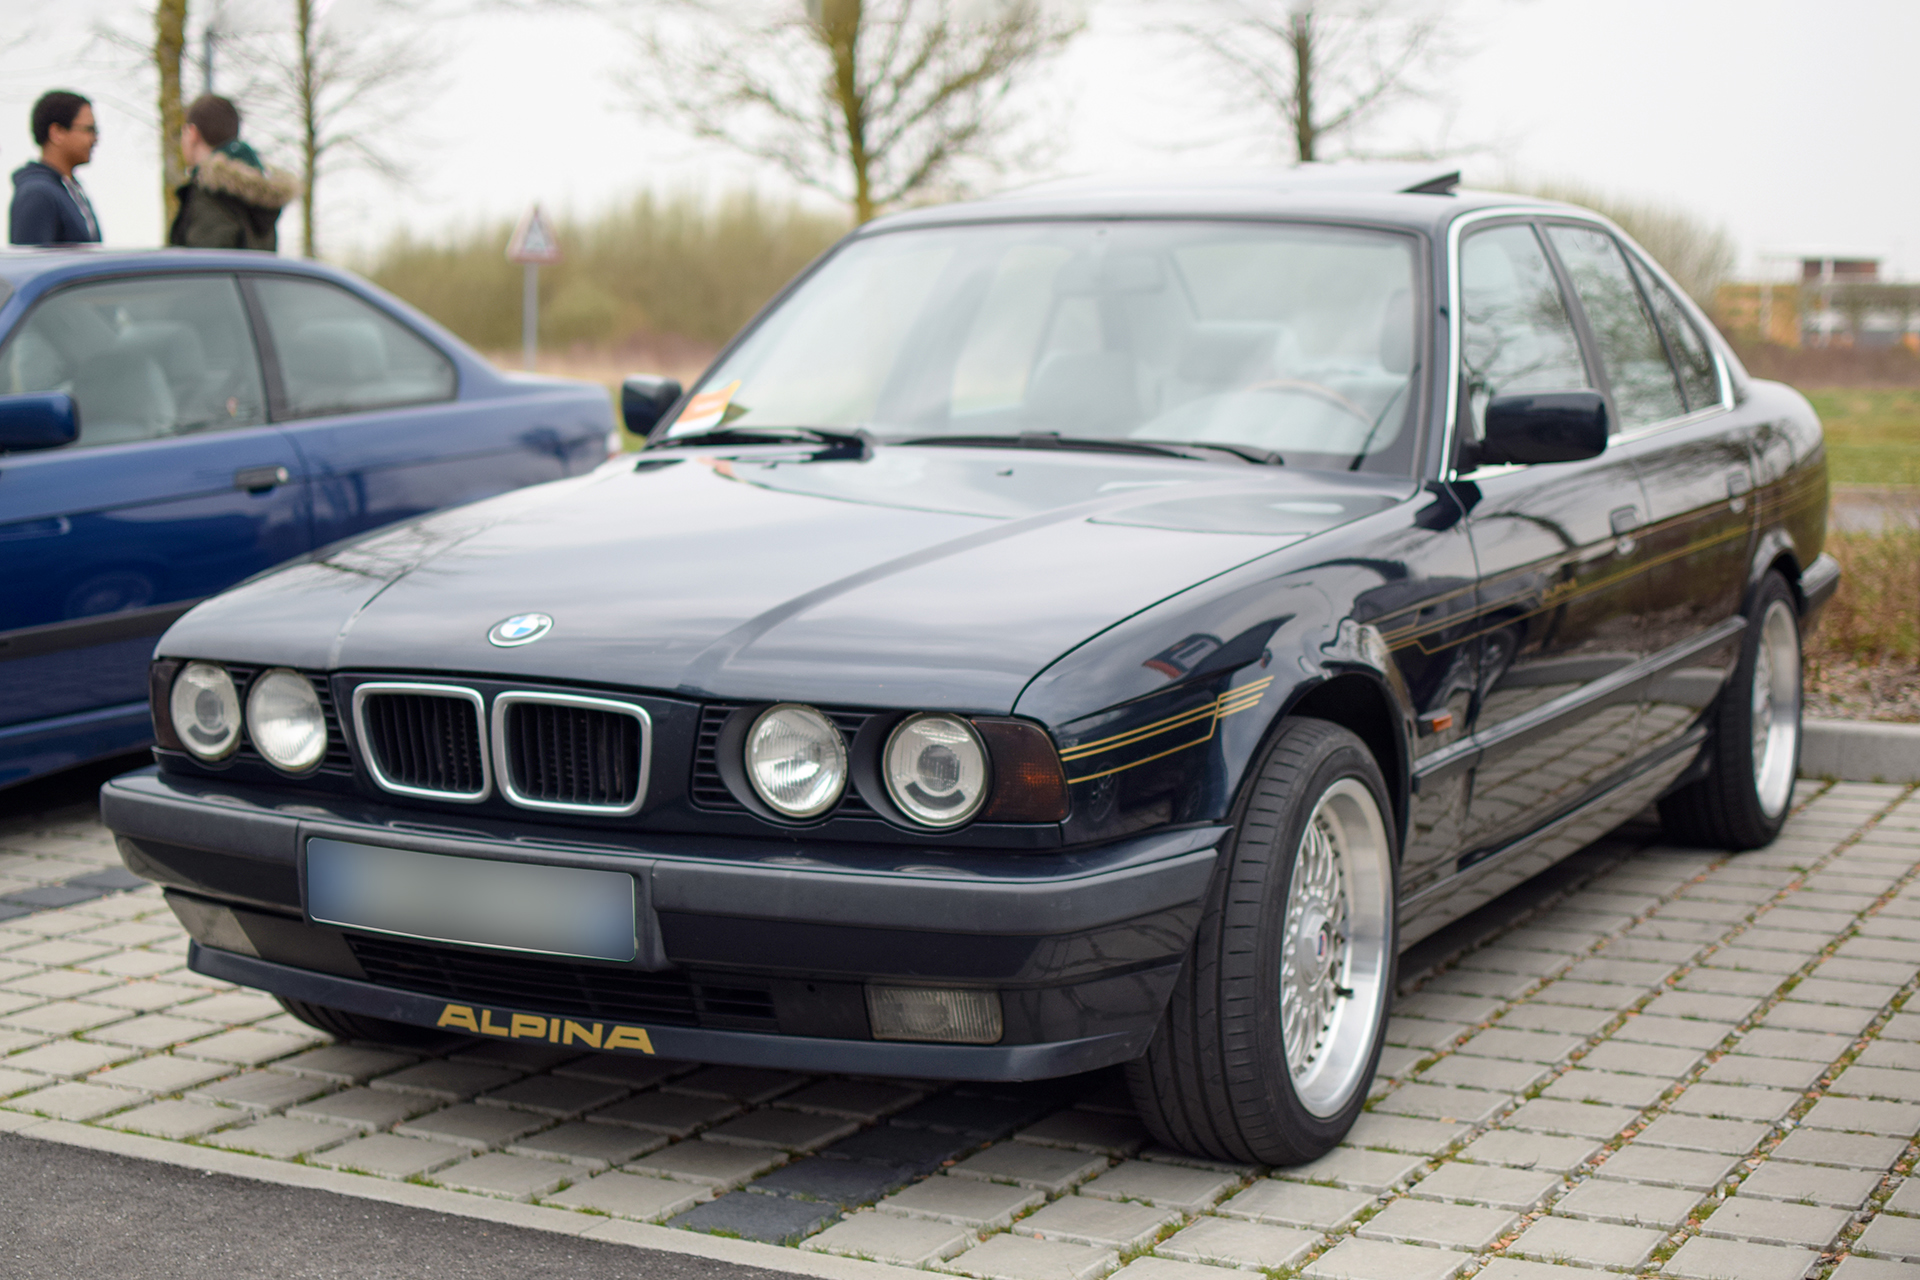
{"points": [[223, 175]]}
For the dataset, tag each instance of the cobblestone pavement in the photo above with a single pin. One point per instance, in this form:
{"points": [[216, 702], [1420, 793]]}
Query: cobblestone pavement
{"points": [[1666, 1061]]}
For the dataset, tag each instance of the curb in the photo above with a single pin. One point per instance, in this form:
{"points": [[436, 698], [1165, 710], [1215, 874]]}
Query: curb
{"points": [[1860, 751]]}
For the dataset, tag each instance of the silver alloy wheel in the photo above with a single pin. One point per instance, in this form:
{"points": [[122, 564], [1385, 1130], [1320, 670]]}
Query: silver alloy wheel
{"points": [[1776, 708], [1334, 956]]}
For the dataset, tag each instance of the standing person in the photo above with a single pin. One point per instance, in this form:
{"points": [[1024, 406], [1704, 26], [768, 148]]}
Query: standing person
{"points": [[49, 206], [230, 200]]}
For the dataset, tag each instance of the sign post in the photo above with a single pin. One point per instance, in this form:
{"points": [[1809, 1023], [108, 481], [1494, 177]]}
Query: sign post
{"points": [[532, 246]]}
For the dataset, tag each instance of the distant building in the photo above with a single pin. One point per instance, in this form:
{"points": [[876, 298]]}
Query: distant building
{"points": [[1822, 300]]}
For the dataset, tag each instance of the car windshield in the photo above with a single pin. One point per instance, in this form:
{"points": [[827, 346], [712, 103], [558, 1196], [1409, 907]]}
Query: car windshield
{"points": [[1287, 340]]}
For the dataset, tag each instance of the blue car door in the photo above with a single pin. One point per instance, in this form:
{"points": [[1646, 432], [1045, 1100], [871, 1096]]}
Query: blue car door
{"points": [[175, 489], [372, 406]]}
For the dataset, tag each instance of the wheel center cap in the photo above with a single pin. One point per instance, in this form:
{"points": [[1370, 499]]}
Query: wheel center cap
{"points": [[1316, 944]]}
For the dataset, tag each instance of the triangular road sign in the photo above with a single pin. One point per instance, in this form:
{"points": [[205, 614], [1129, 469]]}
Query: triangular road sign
{"points": [[533, 241]]}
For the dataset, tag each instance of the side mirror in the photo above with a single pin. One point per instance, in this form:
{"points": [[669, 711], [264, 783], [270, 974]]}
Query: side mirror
{"points": [[45, 420], [644, 398], [1545, 426]]}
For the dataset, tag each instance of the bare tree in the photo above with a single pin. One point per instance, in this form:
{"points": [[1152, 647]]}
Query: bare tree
{"points": [[1698, 254], [169, 43], [1323, 68], [874, 101]]}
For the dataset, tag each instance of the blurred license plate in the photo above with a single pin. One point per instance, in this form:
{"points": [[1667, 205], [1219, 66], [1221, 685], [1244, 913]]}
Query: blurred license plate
{"points": [[517, 906]]}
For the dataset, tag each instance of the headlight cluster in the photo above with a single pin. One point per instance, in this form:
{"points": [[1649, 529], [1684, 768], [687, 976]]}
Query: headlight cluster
{"points": [[929, 770], [284, 719]]}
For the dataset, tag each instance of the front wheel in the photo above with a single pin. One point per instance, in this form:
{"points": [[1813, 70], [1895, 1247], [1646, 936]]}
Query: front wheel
{"points": [[1742, 802], [1274, 1027]]}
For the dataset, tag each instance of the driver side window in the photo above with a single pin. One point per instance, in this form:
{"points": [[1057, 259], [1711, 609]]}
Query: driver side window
{"points": [[1515, 334]]}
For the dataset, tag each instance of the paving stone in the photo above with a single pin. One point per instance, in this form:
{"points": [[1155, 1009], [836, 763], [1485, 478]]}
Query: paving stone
{"points": [[344, 1063], [1423, 1033], [260, 1091], [853, 1099], [505, 1177], [1702, 1005], [626, 1195], [12, 1082], [280, 1138], [1520, 1046], [1736, 1102], [1577, 1119], [1167, 1155], [1878, 1082], [61, 951], [1606, 968], [965, 1201], [1835, 1188], [1515, 1269], [1904, 1200], [469, 1125], [386, 1155], [175, 1119], [1859, 1116], [1086, 1131], [74, 1101], [592, 1146], [1589, 995], [1771, 1222], [676, 1115], [136, 964], [1445, 1008], [1505, 959], [54, 984], [1898, 1055], [68, 1058], [1589, 1244], [1756, 960], [1249, 1245], [1404, 1133], [631, 1070], [922, 1149], [1356, 1169], [1729, 982], [769, 1219], [1629, 1204], [1397, 1063], [1888, 1237], [1642, 1059], [1854, 1267], [1697, 1171], [1894, 973], [1486, 1073], [1889, 950], [1806, 1046], [983, 1118], [1164, 1186], [1438, 1102], [248, 1047], [152, 1031], [231, 1007], [1778, 1073], [785, 1130], [1494, 1186], [1357, 1259], [1082, 1220], [446, 1081], [1480, 982], [1829, 1019], [1847, 1150], [1902, 1026], [1693, 1133], [1582, 1085], [1296, 1204], [847, 1183], [1768, 936], [1684, 1033], [748, 1085], [363, 1109], [904, 1242], [709, 1164], [63, 1017], [1010, 1257], [1521, 1150]]}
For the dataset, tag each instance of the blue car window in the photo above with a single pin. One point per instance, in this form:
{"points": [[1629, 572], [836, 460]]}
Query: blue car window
{"points": [[340, 355], [142, 357]]}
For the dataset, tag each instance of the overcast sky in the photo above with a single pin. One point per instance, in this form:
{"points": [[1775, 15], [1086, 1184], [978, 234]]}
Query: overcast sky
{"points": [[1788, 121]]}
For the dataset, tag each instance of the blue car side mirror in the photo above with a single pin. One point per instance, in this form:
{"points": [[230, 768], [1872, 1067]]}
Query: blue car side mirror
{"points": [[44, 420], [644, 399]]}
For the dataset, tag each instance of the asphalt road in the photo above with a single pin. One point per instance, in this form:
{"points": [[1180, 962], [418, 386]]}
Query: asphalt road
{"points": [[70, 1212]]}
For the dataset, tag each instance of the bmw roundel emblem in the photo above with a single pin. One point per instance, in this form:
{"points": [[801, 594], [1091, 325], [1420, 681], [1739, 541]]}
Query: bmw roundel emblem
{"points": [[521, 628]]}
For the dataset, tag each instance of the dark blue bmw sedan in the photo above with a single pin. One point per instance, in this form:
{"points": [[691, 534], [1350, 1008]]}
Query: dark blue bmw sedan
{"points": [[172, 422]]}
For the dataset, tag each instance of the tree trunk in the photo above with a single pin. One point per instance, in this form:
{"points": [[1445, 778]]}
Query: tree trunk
{"points": [[838, 25], [169, 43], [307, 93], [1300, 36]]}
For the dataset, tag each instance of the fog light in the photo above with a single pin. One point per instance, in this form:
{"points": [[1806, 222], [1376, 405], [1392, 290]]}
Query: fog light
{"points": [[933, 1013]]}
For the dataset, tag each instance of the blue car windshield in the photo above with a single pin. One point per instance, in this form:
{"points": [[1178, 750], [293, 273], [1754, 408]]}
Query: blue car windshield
{"points": [[1294, 340]]}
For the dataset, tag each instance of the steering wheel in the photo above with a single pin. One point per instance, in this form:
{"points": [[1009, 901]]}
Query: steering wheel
{"points": [[1318, 391]]}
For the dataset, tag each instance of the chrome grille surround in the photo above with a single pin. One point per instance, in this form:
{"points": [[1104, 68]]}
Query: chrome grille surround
{"points": [[505, 744], [370, 744]]}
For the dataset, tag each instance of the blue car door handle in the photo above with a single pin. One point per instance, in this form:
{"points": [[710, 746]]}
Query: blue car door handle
{"points": [[260, 479]]}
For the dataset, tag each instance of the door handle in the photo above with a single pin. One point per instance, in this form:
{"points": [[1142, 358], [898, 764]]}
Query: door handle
{"points": [[1738, 486], [259, 479], [1624, 520]]}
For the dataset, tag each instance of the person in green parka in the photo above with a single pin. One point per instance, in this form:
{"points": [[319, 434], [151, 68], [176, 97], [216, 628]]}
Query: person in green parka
{"points": [[230, 200]]}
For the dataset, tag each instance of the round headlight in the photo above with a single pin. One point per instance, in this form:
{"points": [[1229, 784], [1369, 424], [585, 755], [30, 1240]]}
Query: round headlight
{"points": [[796, 760], [936, 770], [285, 721], [206, 710]]}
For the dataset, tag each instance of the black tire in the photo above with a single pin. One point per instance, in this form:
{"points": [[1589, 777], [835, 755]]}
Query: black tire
{"points": [[1216, 1081], [1727, 808], [342, 1025]]}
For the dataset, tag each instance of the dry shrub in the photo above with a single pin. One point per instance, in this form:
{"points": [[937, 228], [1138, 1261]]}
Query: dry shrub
{"points": [[1698, 255], [1874, 617]]}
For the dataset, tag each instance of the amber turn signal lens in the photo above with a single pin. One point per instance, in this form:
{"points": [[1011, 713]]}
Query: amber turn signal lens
{"points": [[1028, 782]]}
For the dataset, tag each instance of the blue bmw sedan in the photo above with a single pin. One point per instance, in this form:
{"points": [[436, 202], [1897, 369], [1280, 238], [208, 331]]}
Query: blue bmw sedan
{"points": [[174, 421]]}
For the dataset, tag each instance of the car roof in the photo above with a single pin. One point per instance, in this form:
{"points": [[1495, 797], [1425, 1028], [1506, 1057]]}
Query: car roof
{"points": [[1424, 197], [22, 266]]}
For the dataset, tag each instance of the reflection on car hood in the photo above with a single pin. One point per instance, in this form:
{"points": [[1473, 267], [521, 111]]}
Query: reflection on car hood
{"points": [[941, 577]]}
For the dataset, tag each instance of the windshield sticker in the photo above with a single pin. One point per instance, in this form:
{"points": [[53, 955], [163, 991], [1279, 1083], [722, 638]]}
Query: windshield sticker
{"points": [[705, 411]]}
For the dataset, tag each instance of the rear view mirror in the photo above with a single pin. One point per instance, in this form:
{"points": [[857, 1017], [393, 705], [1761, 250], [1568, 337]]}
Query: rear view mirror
{"points": [[45, 420], [1545, 426], [644, 398]]}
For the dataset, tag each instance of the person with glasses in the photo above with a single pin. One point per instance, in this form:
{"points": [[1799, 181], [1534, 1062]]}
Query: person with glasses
{"points": [[49, 205]]}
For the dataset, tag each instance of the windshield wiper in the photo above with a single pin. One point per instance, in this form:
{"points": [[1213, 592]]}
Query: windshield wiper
{"points": [[1252, 453], [856, 440], [1102, 444]]}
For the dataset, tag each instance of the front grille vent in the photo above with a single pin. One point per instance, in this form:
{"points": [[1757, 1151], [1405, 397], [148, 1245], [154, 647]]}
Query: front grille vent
{"points": [[573, 754], [708, 791], [596, 992], [423, 740]]}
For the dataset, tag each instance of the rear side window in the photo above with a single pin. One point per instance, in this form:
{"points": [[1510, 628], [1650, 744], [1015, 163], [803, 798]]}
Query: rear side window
{"points": [[1515, 334], [142, 357], [339, 355], [1699, 378], [1644, 388]]}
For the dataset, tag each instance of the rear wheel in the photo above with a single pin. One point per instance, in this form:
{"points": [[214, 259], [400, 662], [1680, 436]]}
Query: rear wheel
{"points": [[342, 1025], [1274, 1028], [1742, 802]]}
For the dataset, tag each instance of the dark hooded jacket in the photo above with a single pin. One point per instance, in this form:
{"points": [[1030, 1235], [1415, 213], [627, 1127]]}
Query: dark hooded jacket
{"points": [[49, 210], [232, 201]]}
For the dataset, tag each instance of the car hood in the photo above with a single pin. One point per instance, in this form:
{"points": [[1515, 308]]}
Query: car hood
{"points": [[936, 576]]}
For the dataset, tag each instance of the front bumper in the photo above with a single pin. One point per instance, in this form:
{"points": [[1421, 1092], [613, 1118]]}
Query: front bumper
{"points": [[757, 951]]}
